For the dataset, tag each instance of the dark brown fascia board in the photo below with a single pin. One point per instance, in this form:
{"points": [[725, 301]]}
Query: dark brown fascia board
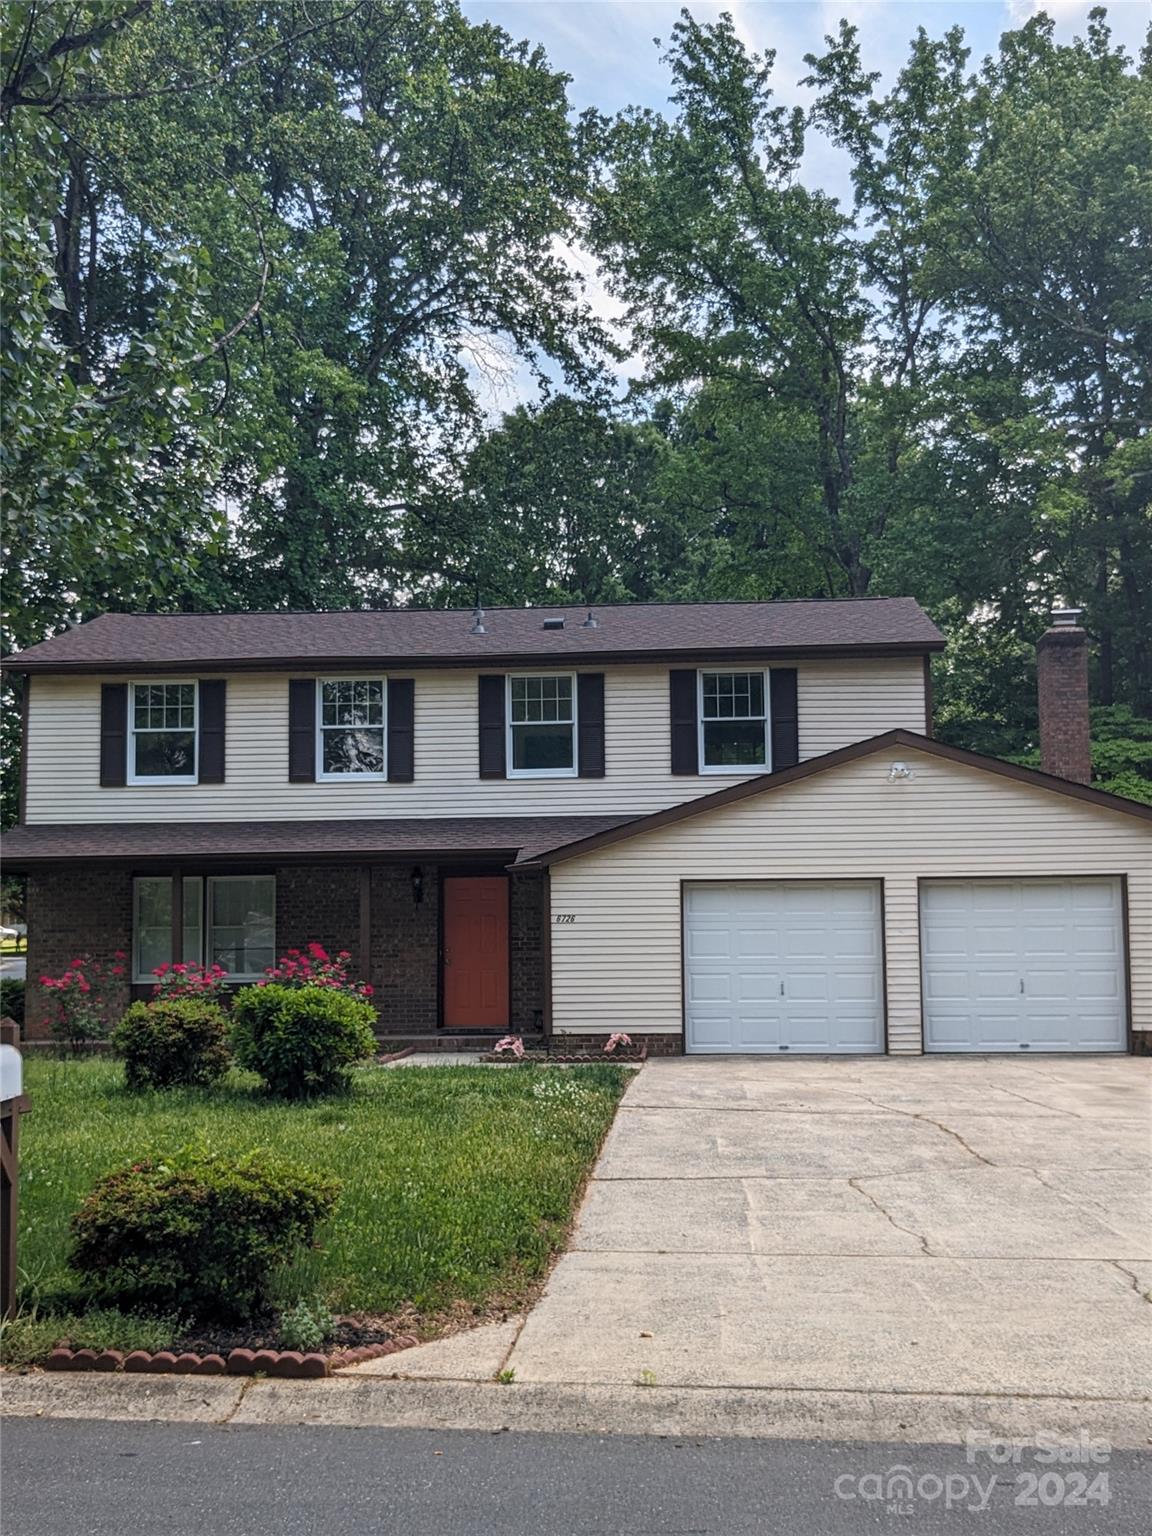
{"points": [[399, 664], [766, 782], [504, 857]]}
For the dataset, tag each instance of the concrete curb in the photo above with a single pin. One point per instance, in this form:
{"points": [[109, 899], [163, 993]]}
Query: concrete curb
{"points": [[363, 1402]]}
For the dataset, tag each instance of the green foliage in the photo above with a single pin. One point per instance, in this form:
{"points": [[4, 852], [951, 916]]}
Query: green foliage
{"points": [[306, 1326], [1121, 753], [457, 1182], [172, 1042], [30, 1337], [301, 1040], [197, 1233], [12, 999]]}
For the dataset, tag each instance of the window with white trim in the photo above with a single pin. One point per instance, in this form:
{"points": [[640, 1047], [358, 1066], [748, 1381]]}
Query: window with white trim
{"points": [[542, 726], [162, 733], [733, 722], [228, 920], [350, 724]]}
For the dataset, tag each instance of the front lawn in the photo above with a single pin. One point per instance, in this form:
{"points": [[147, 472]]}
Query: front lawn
{"points": [[458, 1182]]}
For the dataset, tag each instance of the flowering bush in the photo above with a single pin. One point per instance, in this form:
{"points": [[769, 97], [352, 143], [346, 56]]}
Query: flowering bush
{"points": [[83, 998], [619, 1038], [190, 979], [511, 1043], [313, 966]]}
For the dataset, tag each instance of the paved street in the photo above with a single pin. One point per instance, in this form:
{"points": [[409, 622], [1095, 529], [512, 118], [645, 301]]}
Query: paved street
{"points": [[934, 1225], [83, 1478]]}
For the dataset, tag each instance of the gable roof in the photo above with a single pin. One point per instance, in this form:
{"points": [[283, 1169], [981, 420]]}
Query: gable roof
{"points": [[414, 637], [765, 783]]}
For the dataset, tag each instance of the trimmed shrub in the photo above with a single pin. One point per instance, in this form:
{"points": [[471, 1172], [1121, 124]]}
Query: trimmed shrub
{"points": [[195, 1234], [176, 1041], [301, 1040], [12, 999]]}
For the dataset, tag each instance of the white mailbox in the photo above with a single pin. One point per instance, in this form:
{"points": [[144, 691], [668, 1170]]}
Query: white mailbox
{"points": [[11, 1072]]}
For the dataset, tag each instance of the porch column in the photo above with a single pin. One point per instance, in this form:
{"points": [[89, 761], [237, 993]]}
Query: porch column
{"points": [[177, 915]]}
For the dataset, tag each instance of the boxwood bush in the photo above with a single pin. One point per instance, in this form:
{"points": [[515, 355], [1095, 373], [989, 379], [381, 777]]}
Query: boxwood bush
{"points": [[178, 1041], [195, 1234], [301, 1040]]}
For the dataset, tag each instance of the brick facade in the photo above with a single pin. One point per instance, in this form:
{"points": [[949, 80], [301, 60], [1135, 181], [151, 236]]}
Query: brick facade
{"points": [[90, 910], [72, 912], [669, 1044]]}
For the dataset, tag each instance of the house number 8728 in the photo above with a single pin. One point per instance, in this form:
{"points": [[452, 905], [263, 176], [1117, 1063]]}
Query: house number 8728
{"points": [[565, 917]]}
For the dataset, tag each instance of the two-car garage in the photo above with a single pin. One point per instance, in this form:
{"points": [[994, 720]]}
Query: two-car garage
{"points": [[898, 896], [1007, 965]]}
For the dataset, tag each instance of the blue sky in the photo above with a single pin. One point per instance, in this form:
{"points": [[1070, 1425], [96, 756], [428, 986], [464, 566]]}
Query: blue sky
{"points": [[607, 48]]}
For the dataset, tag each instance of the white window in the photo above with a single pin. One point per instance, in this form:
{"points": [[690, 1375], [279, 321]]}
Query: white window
{"points": [[350, 727], [162, 734], [152, 923], [734, 722], [241, 926], [229, 920], [542, 726]]}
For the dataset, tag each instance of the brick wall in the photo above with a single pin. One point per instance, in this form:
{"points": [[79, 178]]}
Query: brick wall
{"points": [[405, 949], [1062, 686], [320, 905], [78, 909], [71, 912], [526, 934]]}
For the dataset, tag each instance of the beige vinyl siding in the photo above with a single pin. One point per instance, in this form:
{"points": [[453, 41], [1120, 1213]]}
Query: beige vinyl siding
{"points": [[617, 964], [839, 702]]}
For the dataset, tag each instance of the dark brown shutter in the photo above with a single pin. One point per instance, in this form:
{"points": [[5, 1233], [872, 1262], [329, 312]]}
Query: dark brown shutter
{"points": [[401, 729], [113, 734], [212, 702], [493, 758], [785, 719], [685, 737], [301, 730], [590, 725]]}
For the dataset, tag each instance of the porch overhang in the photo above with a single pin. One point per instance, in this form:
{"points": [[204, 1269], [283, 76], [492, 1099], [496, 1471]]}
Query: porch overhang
{"points": [[503, 840]]}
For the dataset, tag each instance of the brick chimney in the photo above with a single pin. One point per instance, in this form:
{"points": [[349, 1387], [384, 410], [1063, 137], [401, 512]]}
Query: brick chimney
{"points": [[1062, 684]]}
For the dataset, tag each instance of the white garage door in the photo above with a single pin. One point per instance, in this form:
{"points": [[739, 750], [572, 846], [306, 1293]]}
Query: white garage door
{"points": [[1013, 965], [786, 965]]}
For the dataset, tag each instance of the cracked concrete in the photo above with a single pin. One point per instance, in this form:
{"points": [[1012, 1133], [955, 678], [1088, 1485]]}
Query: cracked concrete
{"points": [[930, 1226]]}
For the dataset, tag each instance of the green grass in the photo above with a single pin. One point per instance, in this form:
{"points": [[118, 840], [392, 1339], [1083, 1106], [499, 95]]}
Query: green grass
{"points": [[458, 1182]]}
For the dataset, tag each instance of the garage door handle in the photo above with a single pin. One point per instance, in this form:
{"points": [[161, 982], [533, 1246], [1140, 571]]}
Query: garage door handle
{"points": [[781, 989], [1021, 983]]}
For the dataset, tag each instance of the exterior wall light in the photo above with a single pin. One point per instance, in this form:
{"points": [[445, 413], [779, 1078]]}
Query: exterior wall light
{"points": [[899, 773], [417, 879]]}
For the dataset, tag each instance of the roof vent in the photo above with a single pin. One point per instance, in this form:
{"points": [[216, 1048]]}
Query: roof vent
{"points": [[1066, 618], [553, 624], [591, 622], [478, 622]]}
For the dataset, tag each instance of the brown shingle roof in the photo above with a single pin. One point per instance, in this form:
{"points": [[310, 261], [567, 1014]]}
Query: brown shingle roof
{"points": [[501, 837], [410, 637]]}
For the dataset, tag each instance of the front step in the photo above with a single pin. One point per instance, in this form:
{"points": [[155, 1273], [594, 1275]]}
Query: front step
{"points": [[468, 1040]]}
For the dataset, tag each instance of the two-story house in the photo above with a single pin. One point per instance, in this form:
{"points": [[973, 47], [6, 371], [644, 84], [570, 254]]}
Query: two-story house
{"points": [[720, 827]]}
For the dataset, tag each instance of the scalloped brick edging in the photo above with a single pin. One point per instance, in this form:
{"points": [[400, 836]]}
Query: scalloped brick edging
{"points": [[238, 1362]]}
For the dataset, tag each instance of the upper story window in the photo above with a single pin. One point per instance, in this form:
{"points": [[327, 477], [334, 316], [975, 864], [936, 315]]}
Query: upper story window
{"points": [[542, 726], [162, 733], [350, 727], [733, 721]]}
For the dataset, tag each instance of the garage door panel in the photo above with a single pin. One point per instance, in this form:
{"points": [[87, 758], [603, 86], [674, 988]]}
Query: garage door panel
{"points": [[803, 966], [1047, 974]]}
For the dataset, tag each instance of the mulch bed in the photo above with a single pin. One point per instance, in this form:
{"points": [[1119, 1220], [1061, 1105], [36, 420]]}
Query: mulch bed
{"points": [[622, 1056]]}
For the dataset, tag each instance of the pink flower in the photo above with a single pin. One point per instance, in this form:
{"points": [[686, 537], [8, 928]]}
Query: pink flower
{"points": [[367, 990], [619, 1038], [117, 970]]}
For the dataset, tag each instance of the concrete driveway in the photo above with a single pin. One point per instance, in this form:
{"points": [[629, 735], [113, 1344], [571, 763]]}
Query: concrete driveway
{"points": [[934, 1226]]}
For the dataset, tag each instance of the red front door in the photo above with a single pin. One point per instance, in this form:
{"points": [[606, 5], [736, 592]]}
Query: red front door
{"points": [[475, 943]]}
